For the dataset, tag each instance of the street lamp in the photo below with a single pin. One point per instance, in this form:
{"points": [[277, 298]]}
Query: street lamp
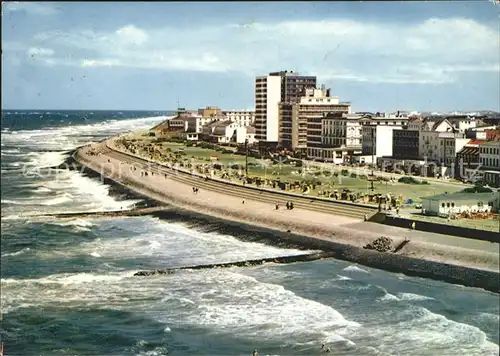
{"points": [[246, 157]]}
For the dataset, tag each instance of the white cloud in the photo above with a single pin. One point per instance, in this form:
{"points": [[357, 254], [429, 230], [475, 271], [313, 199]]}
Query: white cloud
{"points": [[37, 51], [433, 51], [100, 63], [31, 7], [132, 34]]}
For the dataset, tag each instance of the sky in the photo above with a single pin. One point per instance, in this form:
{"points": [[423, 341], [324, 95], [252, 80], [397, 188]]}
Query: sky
{"points": [[380, 56]]}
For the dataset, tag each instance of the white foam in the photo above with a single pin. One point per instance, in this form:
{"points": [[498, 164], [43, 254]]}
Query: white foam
{"points": [[354, 268], [74, 222], [95, 254], [417, 329], [167, 242], [42, 190], [388, 297], [221, 300], [59, 200], [413, 297], [24, 250]]}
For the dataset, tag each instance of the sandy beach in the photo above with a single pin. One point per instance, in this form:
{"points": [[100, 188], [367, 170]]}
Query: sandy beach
{"points": [[343, 230]]}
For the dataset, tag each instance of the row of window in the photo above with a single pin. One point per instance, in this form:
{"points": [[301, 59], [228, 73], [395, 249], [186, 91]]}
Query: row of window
{"points": [[452, 204], [490, 150], [490, 162]]}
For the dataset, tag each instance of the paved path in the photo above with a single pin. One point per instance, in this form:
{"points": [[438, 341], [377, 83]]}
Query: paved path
{"points": [[259, 209]]}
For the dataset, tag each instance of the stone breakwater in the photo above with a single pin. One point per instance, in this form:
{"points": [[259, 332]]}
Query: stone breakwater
{"points": [[271, 232]]}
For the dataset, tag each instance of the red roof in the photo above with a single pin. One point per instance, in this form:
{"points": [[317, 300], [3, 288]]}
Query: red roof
{"points": [[476, 142]]}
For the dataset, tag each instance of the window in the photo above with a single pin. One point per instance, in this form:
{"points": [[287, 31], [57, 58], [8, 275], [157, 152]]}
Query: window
{"points": [[479, 203], [452, 204], [442, 205], [447, 205]]}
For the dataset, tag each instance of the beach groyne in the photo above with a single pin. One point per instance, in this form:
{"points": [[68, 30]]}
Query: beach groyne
{"points": [[247, 263], [388, 261], [253, 230]]}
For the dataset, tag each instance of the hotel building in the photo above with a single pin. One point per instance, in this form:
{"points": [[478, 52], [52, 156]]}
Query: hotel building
{"points": [[270, 90]]}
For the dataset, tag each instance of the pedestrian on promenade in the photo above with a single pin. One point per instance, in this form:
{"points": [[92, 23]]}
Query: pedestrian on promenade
{"points": [[277, 206], [287, 205], [243, 201], [291, 205], [412, 226]]}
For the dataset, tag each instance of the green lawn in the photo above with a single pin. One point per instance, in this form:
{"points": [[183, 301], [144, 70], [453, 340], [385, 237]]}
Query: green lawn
{"points": [[288, 173]]}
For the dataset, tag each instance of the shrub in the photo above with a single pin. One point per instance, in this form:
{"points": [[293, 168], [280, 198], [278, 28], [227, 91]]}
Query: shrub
{"points": [[411, 180], [477, 189], [344, 172]]}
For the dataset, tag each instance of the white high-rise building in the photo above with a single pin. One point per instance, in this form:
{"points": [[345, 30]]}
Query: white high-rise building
{"points": [[267, 98]]}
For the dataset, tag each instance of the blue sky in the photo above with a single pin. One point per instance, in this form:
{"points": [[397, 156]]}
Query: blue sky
{"points": [[380, 56]]}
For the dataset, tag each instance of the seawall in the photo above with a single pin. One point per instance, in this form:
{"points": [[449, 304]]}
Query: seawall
{"points": [[471, 277]]}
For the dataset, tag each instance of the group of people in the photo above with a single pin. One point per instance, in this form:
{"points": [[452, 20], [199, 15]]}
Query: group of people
{"points": [[196, 190], [289, 205]]}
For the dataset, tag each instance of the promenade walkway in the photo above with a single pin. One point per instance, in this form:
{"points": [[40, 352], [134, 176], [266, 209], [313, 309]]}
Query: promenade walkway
{"points": [[214, 199]]}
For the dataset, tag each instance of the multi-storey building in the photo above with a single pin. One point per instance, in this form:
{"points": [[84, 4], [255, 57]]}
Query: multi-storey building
{"points": [[242, 118], [377, 140], [405, 144], [270, 90], [210, 111], [300, 123], [341, 136], [489, 157], [267, 98], [467, 164]]}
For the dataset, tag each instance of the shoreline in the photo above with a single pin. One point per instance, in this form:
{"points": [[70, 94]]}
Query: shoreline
{"points": [[467, 267]]}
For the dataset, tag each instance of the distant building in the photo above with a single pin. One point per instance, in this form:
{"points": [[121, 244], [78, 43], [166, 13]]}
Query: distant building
{"points": [[246, 133], [341, 134], [468, 163], [377, 140], [300, 123], [448, 204], [270, 90], [179, 123], [480, 132], [210, 111], [405, 144], [242, 118], [489, 156], [220, 132]]}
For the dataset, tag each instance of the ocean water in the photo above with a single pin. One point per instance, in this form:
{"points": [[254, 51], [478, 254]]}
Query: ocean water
{"points": [[67, 286]]}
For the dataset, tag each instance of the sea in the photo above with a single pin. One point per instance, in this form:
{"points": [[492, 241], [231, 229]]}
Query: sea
{"points": [[67, 285]]}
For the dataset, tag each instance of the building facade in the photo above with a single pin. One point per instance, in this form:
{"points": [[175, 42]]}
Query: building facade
{"points": [[489, 155], [301, 123], [267, 98], [468, 164], [270, 90], [242, 118], [405, 144], [447, 204], [377, 140], [340, 132]]}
